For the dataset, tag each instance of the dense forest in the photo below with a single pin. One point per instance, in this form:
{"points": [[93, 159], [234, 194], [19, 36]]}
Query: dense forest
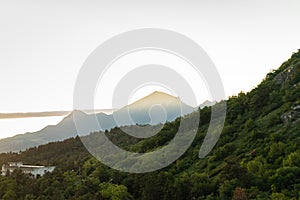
{"points": [[256, 157]]}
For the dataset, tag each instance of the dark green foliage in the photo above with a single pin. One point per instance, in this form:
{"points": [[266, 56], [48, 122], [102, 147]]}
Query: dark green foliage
{"points": [[256, 157]]}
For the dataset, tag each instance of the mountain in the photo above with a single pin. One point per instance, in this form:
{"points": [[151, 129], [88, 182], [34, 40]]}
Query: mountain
{"points": [[85, 123], [256, 157], [155, 108]]}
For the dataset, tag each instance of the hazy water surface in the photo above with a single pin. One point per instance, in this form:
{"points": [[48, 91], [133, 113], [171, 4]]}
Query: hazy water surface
{"points": [[11, 127]]}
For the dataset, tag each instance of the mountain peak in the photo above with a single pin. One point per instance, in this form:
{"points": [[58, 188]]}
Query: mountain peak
{"points": [[77, 113], [159, 94], [156, 97]]}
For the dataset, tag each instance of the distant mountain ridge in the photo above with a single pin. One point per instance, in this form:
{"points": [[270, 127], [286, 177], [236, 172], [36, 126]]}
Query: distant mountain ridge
{"points": [[147, 110]]}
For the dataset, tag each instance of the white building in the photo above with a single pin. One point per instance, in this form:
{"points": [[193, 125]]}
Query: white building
{"points": [[33, 170]]}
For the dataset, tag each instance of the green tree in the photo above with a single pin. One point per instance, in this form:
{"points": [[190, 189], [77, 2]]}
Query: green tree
{"points": [[293, 159], [10, 195], [114, 192]]}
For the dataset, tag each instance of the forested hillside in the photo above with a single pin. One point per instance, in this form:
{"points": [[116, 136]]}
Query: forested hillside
{"points": [[256, 157]]}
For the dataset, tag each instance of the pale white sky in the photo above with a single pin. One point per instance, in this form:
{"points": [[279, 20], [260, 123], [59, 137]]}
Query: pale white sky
{"points": [[43, 43]]}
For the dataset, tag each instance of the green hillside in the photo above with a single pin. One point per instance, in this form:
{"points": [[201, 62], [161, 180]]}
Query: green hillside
{"points": [[256, 157]]}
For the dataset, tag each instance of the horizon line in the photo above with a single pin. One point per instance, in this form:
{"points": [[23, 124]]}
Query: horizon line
{"points": [[16, 115]]}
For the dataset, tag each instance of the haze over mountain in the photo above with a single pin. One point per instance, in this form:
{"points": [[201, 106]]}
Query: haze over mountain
{"points": [[155, 108]]}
